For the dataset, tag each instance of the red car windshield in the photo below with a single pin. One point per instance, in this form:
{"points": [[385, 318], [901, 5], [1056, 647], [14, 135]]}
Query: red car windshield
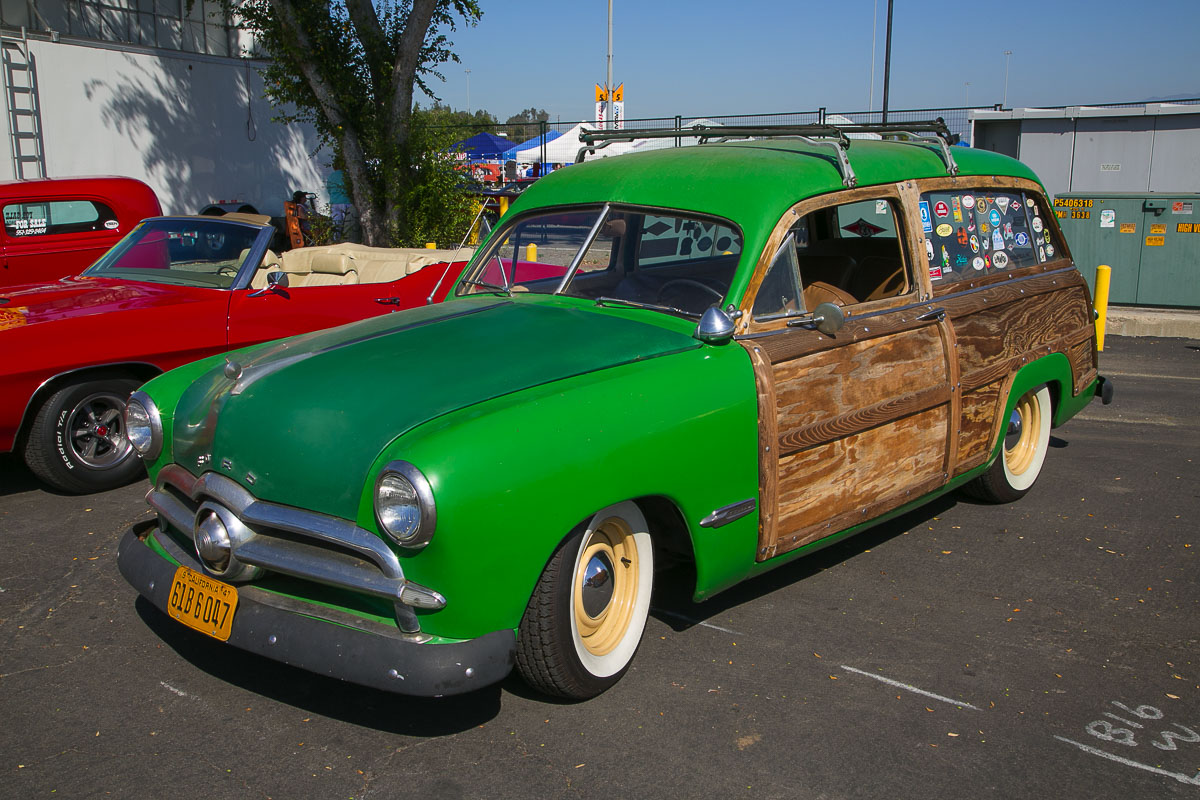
{"points": [[189, 252]]}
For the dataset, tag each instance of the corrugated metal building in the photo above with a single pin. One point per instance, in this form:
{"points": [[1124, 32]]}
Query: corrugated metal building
{"points": [[151, 89]]}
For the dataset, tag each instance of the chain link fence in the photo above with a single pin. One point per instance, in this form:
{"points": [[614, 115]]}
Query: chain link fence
{"points": [[539, 137]]}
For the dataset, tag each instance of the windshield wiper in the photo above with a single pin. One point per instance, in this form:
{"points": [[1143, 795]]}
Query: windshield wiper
{"points": [[652, 306], [492, 286]]}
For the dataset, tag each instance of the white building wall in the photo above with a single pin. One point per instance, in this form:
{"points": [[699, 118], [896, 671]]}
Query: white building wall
{"points": [[196, 128]]}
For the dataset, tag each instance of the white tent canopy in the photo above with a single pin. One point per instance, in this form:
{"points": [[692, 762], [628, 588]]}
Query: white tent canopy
{"points": [[564, 149]]}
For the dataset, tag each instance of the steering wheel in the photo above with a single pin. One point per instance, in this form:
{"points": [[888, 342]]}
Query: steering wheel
{"points": [[226, 271], [689, 282]]}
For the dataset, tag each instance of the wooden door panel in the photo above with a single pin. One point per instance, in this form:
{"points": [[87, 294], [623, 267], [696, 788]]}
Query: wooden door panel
{"points": [[860, 427], [830, 487]]}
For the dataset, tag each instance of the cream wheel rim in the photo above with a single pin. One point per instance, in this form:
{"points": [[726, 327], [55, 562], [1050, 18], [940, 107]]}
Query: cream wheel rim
{"points": [[1027, 417], [605, 589]]}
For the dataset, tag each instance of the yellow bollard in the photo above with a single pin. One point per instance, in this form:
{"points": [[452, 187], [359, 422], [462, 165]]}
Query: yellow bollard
{"points": [[1103, 276], [431, 245], [531, 252], [476, 207]]}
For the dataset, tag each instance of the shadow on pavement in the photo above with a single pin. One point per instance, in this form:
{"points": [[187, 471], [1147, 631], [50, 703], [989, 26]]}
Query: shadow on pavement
{"points": [[358, 705], [15, 477], [673, 605]]}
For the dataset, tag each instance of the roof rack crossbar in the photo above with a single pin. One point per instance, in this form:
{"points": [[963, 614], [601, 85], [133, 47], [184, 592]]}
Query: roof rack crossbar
{"points": [[838, 137]]}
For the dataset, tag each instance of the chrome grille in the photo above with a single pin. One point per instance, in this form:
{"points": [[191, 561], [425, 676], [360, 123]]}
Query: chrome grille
{"points": [[291, 541]]}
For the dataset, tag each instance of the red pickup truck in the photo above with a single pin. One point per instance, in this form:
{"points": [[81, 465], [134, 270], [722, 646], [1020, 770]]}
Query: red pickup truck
{"points": [[54, 227]]}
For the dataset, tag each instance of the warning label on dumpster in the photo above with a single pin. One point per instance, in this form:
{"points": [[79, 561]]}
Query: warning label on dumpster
{"points": [[1155, 241], [1108, 218], [1128, 227], [1180, 207], [1185, 227]]}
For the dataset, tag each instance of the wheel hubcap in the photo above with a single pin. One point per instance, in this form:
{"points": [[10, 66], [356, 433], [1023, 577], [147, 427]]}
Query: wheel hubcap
{"points": [[1020, 445], [606, 586], [597, 589], [96, 431]]}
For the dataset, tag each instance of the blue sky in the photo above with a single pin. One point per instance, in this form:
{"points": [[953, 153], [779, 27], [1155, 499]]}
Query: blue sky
{"points": [[750, 56]]}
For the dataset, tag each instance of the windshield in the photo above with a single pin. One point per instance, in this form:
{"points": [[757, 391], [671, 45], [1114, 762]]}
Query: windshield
{"points": [[189, 252], [671, 261]]}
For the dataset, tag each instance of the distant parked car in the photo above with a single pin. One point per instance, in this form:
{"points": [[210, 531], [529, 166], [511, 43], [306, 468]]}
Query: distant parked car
{"points": [[177, 289], [55, 227]]}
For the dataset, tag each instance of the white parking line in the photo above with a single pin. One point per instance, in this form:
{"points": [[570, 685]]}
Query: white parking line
{"points": [[912, 689], [696, 621], [1179, 776]]}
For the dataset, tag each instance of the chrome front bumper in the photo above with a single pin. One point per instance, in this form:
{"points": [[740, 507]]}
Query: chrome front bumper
{"points": [[320, 640], [291, 541]]}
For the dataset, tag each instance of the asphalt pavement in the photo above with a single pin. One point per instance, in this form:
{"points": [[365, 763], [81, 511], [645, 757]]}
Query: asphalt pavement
{"points": [[1046, 648]]}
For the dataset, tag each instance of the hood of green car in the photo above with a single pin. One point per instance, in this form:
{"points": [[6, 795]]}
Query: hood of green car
{"points": [[302, 420]]}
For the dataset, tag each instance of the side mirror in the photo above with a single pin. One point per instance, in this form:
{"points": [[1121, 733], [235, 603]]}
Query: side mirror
{"points": [[829, 318], [714, 327], [276, 280]]}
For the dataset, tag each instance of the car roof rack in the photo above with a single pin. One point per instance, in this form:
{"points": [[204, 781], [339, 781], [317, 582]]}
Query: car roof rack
{"points": [[836, 137]]}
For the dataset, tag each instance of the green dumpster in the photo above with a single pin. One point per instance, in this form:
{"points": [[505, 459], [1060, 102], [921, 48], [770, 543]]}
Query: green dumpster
{"points": [[1151, 241]]}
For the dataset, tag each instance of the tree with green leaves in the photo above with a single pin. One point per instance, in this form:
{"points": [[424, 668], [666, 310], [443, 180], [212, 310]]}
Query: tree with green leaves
{"points": [[349, 67], [528, 120]]}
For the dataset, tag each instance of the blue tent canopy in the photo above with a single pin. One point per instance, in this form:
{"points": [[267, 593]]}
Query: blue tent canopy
{"points": [[536, 141], [483, 145]]}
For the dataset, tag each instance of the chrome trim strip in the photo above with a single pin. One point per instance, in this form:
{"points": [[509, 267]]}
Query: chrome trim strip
{"points": [[578, 259], [327, 529], [727, 514]]}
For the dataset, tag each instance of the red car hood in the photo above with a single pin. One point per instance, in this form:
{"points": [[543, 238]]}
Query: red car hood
{"points": [[30, 304]]}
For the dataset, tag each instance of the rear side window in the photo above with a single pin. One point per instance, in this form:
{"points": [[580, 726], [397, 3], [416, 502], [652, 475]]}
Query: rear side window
{"points": [[50, 217], [969, 233]]}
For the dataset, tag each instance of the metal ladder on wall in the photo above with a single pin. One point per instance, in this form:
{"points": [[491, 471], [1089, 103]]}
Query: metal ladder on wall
{"points": [[24, 111]]}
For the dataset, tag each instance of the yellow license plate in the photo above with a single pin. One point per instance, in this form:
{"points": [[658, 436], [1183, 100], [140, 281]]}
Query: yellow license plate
{"points": [[202, 603]]}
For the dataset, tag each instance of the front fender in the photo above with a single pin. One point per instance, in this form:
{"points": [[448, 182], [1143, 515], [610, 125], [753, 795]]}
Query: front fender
{"points": [[512, 476]]}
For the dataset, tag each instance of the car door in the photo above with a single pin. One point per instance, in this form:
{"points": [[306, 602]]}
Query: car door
{"points": [[856, 422], [275, 313]]}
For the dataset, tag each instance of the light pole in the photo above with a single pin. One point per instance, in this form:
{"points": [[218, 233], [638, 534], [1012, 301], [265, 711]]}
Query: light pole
{"points": [[608, 110], [1007, 54], [468, 91], [887, 64], [967, 93]]}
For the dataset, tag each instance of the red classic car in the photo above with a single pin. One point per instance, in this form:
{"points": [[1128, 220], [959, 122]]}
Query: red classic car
{"points": [[175, 290], [57, 226]]}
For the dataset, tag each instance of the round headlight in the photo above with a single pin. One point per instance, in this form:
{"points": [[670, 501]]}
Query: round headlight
{"points": [[143, 426], [404, 505]]}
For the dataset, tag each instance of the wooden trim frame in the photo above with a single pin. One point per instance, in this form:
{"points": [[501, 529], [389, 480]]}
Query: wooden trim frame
{"points": [[987, 328], [890, 192]]}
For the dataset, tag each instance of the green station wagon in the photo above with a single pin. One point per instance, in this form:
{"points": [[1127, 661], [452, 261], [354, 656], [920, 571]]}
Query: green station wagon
{"points": [[733, 354]]}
